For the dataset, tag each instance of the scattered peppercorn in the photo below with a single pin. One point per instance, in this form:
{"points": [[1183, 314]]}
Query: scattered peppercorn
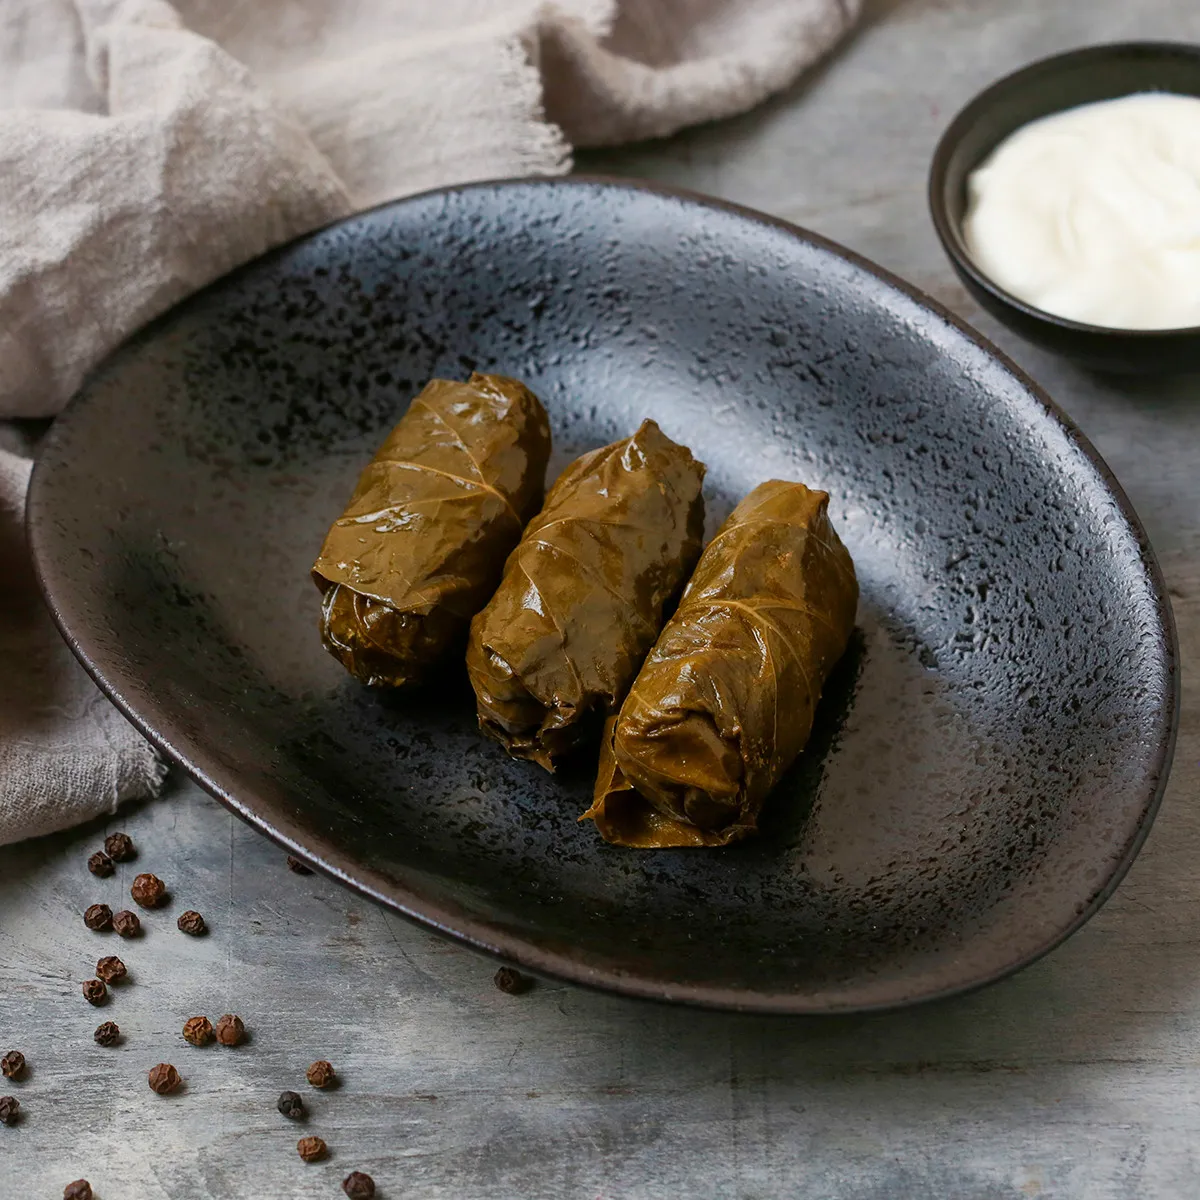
{"points": [[230, 1030], [148, 890], [10, 1110], [510, 981], [111, 969], [198, 1031], [291, 1104], [163, 1078], [107, 1034], [192, 922], [94, 991], [12, 1065], [358, 1186], [79, 1190], [100, 864], [127, 924], [312, 1148], [294, 864], [98, 917], [119, 847], [321, 1074]]}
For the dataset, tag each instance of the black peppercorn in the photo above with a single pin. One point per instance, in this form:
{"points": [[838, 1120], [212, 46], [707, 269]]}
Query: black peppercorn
{"points": [[311, 1148], [79, 1190], [107, 1034], [230, 1030], [512, 982], [94, 991], [98, 917], [127, 924], [193, 923], [119, 847], [111, 969], [163, 1078], [12, 1065], [148, 890], [294, 864], [10, 1110], [321, 1074], [100, 864], [291, 1104], [198, 1031], [358, 1186]]}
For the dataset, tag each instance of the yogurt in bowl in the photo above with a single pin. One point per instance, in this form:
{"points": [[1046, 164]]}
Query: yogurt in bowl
{"points": [[1067, 198], [1093, 214]]}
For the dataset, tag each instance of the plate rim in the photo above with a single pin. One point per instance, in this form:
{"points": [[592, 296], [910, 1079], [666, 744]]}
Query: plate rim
{"points": [[512, 948]]}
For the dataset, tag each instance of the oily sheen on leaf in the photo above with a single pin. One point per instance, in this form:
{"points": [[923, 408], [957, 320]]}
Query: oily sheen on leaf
{"points": [[725, 700], [422, 543], [583, 595]]}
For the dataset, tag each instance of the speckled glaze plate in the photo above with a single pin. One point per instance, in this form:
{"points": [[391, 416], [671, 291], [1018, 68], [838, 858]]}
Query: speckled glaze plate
{"points": [[986, 761]]}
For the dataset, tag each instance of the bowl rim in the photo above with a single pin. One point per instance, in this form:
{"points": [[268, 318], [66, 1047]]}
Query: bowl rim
{"points": [[949, 232], [476, 932]]}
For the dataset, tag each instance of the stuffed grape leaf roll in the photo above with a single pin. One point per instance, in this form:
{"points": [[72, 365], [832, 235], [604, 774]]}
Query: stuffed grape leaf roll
{"points": [[583, 594], [421, 546], [725, 700]]}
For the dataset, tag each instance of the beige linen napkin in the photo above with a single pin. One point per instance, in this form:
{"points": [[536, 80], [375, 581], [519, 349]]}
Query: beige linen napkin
{"points": [[147, 148]]}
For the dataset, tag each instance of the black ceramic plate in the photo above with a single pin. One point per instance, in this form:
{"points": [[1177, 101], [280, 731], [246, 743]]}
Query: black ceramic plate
{"points": [[986, 761]]}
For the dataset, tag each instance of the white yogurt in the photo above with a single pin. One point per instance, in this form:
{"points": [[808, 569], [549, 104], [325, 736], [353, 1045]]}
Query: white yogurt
{"points": [[1094, 213]]}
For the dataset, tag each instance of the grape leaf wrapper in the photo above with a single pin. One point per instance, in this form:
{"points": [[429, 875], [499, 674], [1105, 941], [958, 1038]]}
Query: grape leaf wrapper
{"points": [[725, 700], [584, 594], [422, 543]]}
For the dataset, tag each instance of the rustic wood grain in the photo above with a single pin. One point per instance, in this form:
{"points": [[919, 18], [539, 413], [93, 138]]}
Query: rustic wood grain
{"points": [[1078, 1078]]}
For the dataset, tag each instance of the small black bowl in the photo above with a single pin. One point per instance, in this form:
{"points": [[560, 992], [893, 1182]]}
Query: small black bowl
{"points": [[1050, 86]]}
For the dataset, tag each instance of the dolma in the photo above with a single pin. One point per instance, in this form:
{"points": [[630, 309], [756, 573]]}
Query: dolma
{"points": [[583, 595], [725, 700], [422, 544]]}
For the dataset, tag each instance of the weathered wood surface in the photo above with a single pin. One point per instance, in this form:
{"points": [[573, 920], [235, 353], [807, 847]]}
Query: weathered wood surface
{"points": [[1078, 1078]]}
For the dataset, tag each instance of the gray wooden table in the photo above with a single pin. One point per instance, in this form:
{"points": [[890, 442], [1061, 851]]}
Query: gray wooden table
{"points": [[1080, 1077]]}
